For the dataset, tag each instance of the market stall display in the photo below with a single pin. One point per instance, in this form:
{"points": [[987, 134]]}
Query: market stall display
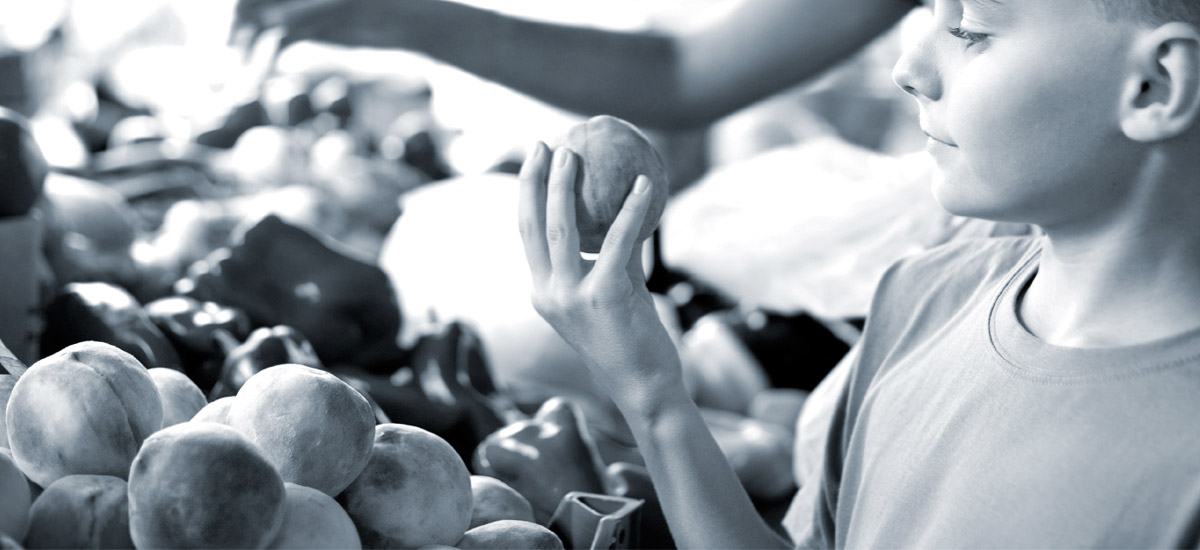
{"points": [[289, 320]]}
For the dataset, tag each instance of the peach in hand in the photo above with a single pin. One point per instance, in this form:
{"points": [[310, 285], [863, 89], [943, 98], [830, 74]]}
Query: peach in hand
{"points": [[612, 153]]}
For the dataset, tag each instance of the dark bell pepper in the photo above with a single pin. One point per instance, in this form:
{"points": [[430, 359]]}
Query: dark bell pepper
{"points": [[106, 313], [444, 387], [282, 274], [22, 167], [544, 457], [192, 326], [191, 323], [451, 368], [235, 123], [265, 348]]}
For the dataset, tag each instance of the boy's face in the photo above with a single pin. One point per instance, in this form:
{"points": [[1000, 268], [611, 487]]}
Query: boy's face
{"points": [[1020, 99]]}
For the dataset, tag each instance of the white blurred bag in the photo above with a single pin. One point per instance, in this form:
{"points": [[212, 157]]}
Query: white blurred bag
{"points": [[810, 227]]}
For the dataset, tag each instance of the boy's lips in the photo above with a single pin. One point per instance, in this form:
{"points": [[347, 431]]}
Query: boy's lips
{"points": [[939, 140]]}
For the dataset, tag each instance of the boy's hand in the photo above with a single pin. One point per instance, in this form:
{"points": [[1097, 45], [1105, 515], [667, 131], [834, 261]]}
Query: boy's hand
{"points": [[602, 308]]}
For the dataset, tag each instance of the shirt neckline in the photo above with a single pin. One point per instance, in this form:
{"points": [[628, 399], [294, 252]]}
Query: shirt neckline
{"points": [[1029, 356]]}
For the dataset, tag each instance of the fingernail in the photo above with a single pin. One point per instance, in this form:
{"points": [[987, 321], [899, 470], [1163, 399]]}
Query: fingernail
{"points": [[641, 184], [535, 153], [562, 157]]}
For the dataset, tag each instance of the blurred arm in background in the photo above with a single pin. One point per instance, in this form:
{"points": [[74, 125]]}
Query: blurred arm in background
{"points": [[667, 80]]}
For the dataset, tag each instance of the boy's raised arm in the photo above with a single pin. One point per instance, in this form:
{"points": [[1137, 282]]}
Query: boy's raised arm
{"points": [[605, 312], [683, 78]]}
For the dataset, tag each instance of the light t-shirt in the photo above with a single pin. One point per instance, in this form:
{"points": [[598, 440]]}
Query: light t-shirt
{"points": [[958, 428]]}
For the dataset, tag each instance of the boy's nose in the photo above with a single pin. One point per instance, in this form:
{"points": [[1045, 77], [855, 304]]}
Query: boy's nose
{"points": [[916, 73]]}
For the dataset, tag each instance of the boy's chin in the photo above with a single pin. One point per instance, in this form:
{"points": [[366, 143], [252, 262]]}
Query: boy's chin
{"points": [[964, 198]]}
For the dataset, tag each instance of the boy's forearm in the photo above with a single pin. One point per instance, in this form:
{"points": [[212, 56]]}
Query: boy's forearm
{"points": [[702, 498], [631, 75]]}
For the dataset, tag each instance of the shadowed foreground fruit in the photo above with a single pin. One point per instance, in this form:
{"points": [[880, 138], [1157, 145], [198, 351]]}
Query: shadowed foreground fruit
{"points": [[81, 511], [14, 507], [216, 411], [203, 485], [494, 500], [181, 398], [414, 492], [612, 153], [314, 520], [316, 429], [508, 534], [83, 410]]}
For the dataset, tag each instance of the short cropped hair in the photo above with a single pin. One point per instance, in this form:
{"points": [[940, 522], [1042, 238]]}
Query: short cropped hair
{"points": [[1153, 11]]}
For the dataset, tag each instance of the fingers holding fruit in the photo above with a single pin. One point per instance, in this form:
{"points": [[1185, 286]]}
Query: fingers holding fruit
{"points": [[562, 238], [592, 194]]}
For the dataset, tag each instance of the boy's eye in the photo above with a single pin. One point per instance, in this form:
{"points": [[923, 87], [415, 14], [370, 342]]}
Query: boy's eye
{"points": [[971, 38]]}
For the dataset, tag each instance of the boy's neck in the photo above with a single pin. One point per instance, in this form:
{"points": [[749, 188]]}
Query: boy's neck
{"points": [[1133, 281]]}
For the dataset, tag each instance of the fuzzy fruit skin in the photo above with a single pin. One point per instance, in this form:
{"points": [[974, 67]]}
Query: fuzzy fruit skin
{"points": [[414, 492], [216, 411], [83, 410], [612, 154], [317, 430], [81, 511], [510, 533], [314, 520], [181, 398], [203, 485], [496, 500]]}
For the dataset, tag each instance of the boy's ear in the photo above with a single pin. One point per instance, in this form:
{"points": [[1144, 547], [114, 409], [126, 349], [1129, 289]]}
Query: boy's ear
{"points": [[1161, 98]]}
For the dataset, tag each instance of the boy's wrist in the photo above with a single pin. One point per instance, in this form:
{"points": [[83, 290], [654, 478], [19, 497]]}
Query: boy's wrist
{"points": [[648, 407]]}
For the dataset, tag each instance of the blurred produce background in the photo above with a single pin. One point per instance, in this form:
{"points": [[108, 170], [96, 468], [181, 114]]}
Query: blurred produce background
{"points": [[217, 212]]}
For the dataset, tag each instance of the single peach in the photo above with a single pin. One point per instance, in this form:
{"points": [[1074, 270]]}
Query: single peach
{"points": [[612, 153], [315, 428], [216, 411], [181, 398], [507, 534], [203, 485], [415, 491], [495, 500], [81, 511], [83, 410], [314, 520]]}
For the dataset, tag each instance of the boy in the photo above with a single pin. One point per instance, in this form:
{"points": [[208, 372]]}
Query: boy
{"points": [[1022, 392]]}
